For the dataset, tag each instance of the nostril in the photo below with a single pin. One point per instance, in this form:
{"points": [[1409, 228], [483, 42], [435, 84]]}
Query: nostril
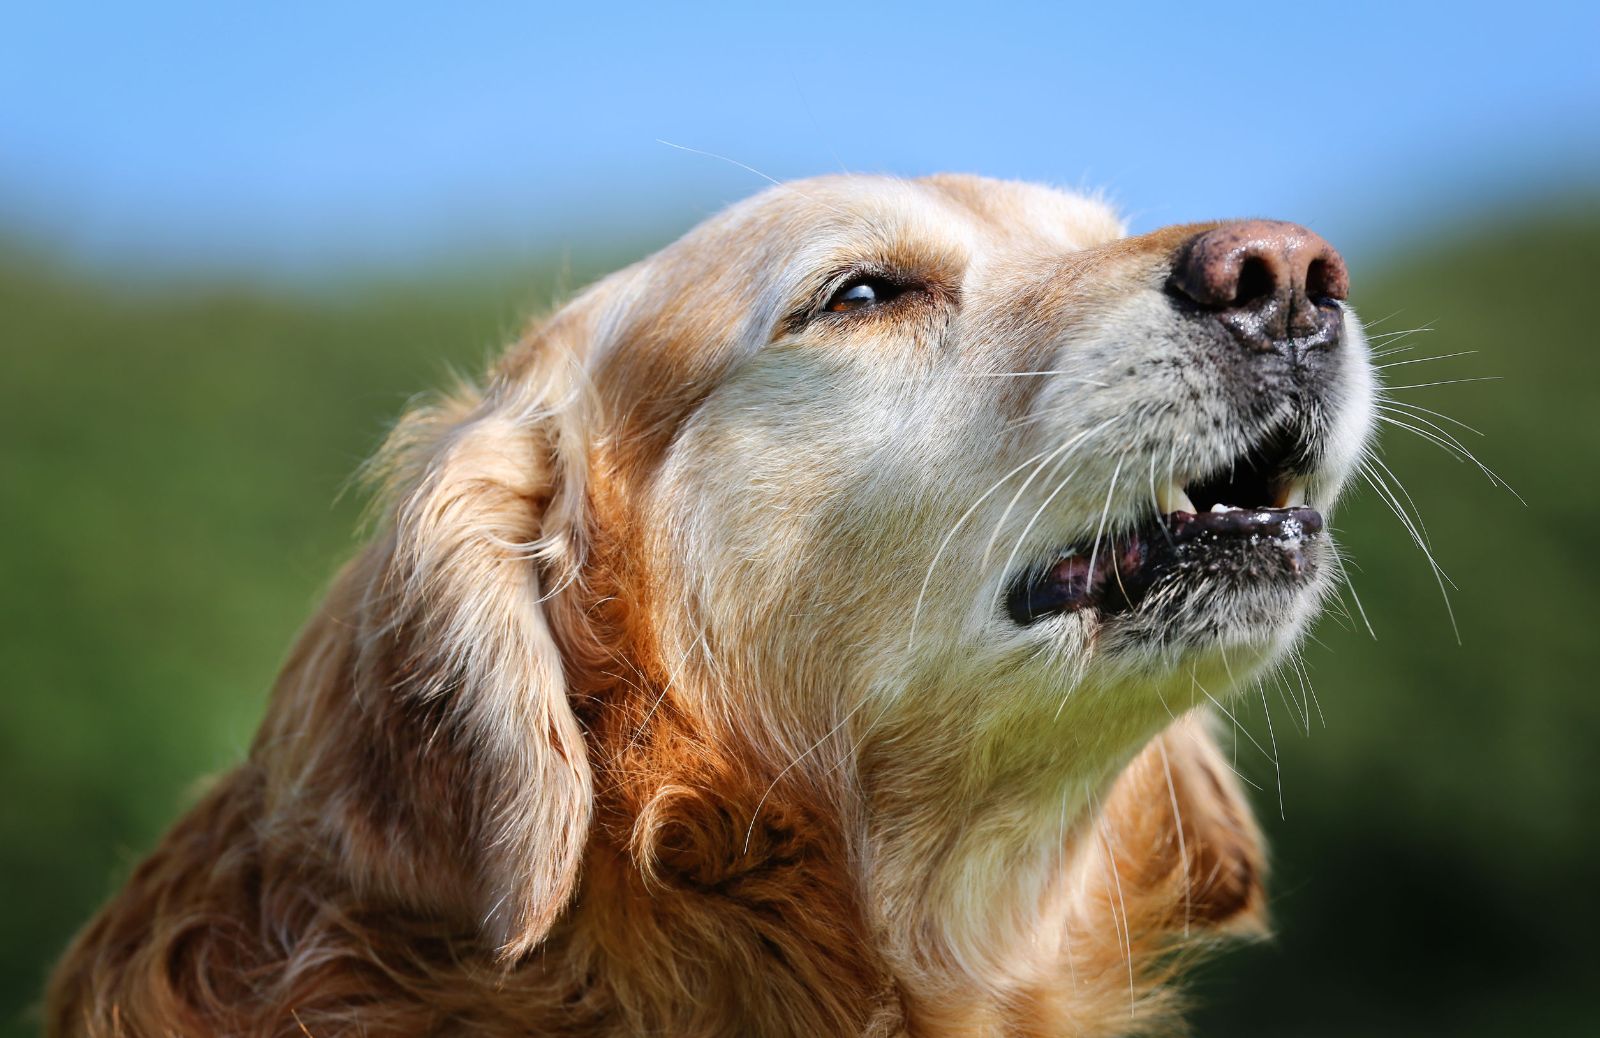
{"points": [[1317, 284], [1256, 282], [1326, 278]]}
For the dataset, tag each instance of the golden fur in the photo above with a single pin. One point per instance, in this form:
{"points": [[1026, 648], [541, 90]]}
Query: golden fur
{"points": [[623, 724]]}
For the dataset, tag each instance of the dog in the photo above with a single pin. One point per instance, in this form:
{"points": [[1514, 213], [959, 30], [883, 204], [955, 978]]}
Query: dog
{"points": [[811, 629]]}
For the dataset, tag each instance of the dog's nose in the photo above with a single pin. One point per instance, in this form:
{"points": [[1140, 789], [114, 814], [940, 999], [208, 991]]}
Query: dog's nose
{"points": [[1274, 285]]}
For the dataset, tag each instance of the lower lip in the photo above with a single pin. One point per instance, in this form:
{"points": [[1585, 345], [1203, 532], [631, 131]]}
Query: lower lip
{"points": [[1117, 576], [1275, 523]]}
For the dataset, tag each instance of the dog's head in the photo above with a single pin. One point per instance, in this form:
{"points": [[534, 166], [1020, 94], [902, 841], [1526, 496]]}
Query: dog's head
{"points": [[944, 494]]}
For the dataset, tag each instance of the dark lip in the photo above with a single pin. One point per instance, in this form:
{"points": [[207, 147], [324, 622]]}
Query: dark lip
{"points": [[1251, 543], [1274, 523]]}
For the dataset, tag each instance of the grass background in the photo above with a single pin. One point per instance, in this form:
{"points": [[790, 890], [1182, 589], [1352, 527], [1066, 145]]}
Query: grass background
{"points": [[171, 464]]}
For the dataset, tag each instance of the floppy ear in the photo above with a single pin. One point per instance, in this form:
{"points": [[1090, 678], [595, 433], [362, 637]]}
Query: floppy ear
{"points": [[422, 727], [1170, 863], [1193, 854]]}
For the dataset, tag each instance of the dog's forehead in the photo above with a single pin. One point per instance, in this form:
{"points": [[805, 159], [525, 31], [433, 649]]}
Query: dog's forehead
{"points": [[745, 266], [1010, 209], [945, 211]]}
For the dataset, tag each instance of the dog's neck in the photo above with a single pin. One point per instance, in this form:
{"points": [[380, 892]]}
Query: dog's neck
{"points": [[959, 915], [1042, 893], [713, 901]]}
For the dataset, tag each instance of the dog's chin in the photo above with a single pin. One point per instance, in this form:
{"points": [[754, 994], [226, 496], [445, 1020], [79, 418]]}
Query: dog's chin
{"points": [[1247, 600]]}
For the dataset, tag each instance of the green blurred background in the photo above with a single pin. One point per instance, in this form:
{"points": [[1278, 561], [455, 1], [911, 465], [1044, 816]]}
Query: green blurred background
{"points": [[175, 461], [234, 241]]}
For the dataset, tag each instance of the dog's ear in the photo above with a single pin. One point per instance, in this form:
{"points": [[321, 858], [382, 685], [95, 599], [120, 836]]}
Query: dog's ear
{"points": [[422, 728], [1181, 823], [1173, 859], [1223, 857]]}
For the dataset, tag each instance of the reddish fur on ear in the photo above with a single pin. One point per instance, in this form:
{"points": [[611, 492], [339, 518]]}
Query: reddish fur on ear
{"points": [[422, 724], [1171, 862], [1185, 840]]}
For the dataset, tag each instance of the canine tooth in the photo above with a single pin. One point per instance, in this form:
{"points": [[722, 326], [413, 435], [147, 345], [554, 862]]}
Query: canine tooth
{"points": [[1172, 498], [1295, 497]]}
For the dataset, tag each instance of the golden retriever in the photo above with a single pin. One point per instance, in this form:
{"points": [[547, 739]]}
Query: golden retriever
{"points": [[799, 633]]}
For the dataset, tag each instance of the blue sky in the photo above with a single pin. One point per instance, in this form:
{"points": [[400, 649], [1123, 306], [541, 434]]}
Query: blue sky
{"points": [[297, 136]]}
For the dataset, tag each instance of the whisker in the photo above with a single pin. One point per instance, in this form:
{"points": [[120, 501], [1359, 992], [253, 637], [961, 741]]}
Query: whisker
{"points": [[1105, 514], [1232, 767], [1424, 360], [1440, 439], [1068, 446], [1299, 665], [1437, 414], [1286, 696], [1177, 825], [1397, 333], [1391, 315], [1349, 585], [1049, 414], [1393, 502], [1023, 374], [1416, 512], [721, 158], [1015, 548], [1124, 931], [756, 813], [1450, 444], [1193, 680], [1283, 811], [921, 594], [785, 185], [1446, 382]]}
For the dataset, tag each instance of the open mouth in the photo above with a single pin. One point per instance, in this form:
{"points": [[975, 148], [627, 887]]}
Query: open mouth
{"points": [[1248, 522]]}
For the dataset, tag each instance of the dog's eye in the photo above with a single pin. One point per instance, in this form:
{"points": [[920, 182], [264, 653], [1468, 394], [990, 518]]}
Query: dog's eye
{"points": [[861, 293]]}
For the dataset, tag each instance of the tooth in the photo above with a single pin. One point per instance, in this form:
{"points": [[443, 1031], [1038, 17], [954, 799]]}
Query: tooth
{"points": [[1295, 496], [1220, 507], [1172, 498]]}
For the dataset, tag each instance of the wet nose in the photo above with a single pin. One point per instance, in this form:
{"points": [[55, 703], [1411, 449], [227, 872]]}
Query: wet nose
{"points": [[1274, 285]]}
